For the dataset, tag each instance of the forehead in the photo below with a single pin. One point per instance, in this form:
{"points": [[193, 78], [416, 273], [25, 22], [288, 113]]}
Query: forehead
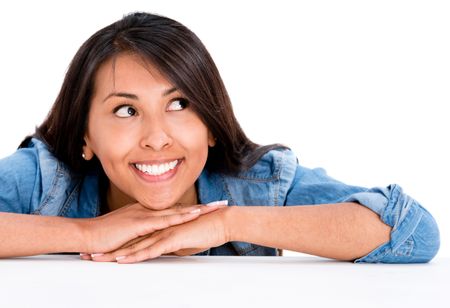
{"points": [[125, 71]]}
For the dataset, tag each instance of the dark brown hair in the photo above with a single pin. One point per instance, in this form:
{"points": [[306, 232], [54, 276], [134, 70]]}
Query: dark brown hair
{"points": [[182, 58]]}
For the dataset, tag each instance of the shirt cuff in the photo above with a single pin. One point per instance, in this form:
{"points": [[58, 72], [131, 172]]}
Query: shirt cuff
{"points": [[414, 237]]}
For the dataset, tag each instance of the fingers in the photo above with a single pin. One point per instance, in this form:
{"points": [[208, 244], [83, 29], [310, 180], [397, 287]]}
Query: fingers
{"points": [[146, 235], [85, 256], [163, 246], [220, 203], [136, 240], [176, 209], [150, 225], [183, 208], [111, 256], [163, 222], [140, 238], [210, 207]]}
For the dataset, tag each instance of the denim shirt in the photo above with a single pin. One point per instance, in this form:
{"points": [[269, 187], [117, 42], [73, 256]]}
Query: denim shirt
{"points": [[33, 181]]}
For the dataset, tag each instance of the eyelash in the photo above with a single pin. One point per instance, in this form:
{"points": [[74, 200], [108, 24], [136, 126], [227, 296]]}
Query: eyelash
{"points": [[116, 109], [181, 100]]}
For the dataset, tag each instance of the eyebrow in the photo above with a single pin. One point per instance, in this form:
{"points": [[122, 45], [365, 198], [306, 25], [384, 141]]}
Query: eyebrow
{"points": [[134, 96]]}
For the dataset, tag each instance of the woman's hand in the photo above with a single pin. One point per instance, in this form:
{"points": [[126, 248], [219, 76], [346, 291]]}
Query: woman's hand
{"points": [[113, 230], [191, 237]]}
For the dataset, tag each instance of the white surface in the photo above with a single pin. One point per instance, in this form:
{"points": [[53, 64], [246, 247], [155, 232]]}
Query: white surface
{"points": [[360, 88], [66, 281]]}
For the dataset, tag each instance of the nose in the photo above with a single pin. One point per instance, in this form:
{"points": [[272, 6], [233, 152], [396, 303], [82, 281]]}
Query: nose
{"points": [[155, 136]]}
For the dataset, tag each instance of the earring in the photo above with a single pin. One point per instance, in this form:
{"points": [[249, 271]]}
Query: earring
{"points": [[83, 155]]}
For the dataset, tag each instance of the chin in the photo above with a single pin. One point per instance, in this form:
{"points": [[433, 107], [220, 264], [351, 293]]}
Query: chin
{"points": [[157, 205]]}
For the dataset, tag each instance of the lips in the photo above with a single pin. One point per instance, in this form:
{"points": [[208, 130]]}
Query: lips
{"points": [[155, 171]]}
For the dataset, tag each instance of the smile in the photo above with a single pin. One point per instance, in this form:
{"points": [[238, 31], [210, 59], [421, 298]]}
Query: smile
{"points": [[157, 169]]}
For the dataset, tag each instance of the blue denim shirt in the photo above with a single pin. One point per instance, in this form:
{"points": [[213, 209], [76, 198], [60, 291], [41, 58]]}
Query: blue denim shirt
{"points": [[33, 181]]}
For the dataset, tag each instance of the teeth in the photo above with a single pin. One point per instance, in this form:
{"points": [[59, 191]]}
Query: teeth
{"points": [[157, 169]]}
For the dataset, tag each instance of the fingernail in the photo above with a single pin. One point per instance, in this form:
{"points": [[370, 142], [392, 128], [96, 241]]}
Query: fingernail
{"points": [[195, 211], [120, 258], [220, 202], [93, 255]]}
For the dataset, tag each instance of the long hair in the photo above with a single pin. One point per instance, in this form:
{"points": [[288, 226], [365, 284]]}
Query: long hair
{"points": [[182, 58]]}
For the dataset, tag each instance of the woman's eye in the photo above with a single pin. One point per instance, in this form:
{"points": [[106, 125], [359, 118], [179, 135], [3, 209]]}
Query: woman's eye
{"points": [[125, 111], [178, 104]]}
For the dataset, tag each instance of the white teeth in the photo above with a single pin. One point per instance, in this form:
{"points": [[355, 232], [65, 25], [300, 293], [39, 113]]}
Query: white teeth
{"points": [[157, 169]]}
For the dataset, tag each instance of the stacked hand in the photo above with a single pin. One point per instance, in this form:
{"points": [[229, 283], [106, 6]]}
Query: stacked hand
{"points": [[134, 233]]}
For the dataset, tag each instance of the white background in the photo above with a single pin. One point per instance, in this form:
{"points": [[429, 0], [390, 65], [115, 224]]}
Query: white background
{"points": [[356, 87]]}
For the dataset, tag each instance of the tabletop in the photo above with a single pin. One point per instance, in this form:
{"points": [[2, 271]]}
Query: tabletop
{"points": [[216, 281]]}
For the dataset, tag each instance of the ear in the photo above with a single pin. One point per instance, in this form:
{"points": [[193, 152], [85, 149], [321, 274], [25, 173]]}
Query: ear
{"points": [[211, 140], [87, 153]]}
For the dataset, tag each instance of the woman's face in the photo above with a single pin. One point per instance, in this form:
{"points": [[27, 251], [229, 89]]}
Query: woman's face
{"points": [[152, 146]]}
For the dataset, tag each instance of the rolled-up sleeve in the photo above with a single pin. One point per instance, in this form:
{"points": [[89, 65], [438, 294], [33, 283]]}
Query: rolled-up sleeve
{"points": [[415, 235]]}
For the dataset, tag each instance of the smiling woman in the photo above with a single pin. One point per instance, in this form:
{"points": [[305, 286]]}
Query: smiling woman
{"points": [[143, 135], [155, 146]]}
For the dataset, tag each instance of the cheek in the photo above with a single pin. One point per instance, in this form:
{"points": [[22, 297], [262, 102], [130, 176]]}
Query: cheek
{"points": [[109, 144], [195, 139]]}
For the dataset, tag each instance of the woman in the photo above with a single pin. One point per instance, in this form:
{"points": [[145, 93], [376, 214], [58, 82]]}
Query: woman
{"points": [[143, 133]]}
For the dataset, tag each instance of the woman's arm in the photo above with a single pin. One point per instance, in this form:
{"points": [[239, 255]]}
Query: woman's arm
{"points": [[25, 235], [344, 231], [414, 236]]}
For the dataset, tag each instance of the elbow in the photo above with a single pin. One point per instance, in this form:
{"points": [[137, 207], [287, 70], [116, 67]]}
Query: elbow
{"points": [[426, 239], [419, 245]]}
